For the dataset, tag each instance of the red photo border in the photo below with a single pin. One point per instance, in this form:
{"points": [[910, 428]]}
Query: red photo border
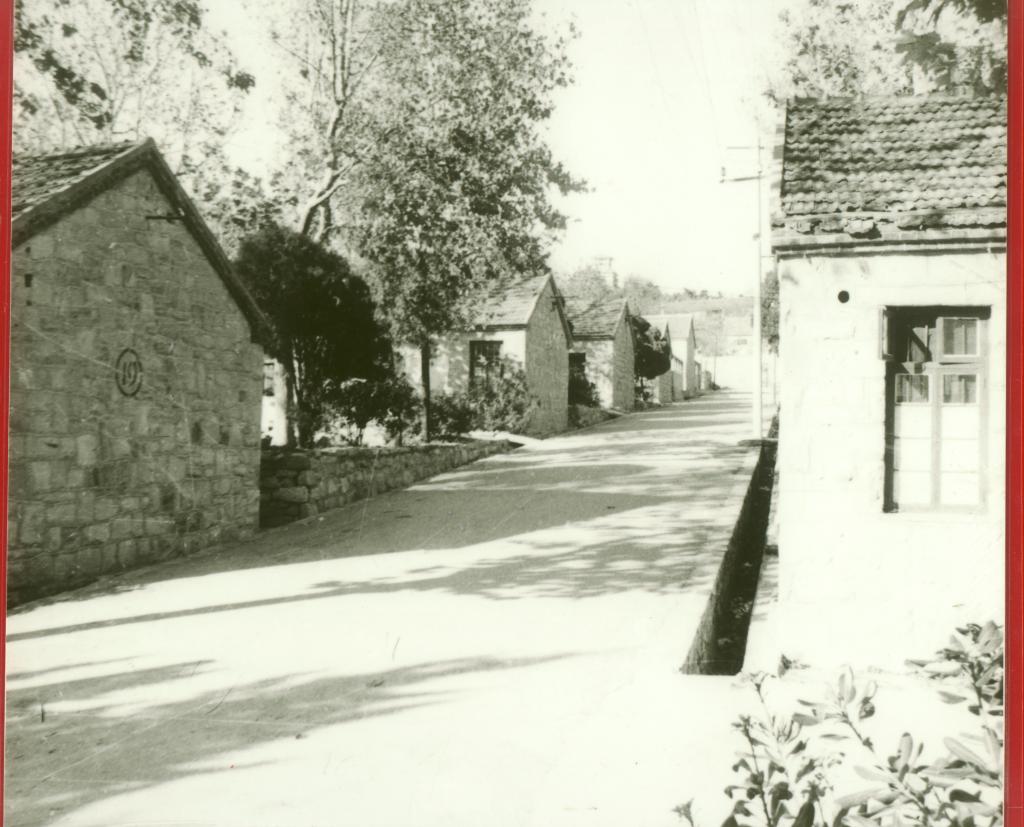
{"points": [[1014, 779], [6, 105], [1014, 789]]}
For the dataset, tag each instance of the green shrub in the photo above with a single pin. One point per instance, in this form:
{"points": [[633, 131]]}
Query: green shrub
{"points": [[390, 402], [503, 404], [582, 391], [452, 415], [784, 783]]}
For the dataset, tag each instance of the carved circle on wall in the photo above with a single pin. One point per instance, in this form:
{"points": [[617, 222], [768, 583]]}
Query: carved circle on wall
{"points": [[128, 372]]}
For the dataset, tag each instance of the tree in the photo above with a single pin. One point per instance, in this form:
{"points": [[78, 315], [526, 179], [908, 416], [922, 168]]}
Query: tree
{"points": [[831, 49], [93, 71], [586, 286], [956, 43], [890, 47], [324, 319], [643, 295], [652, 356], [457, 192]]}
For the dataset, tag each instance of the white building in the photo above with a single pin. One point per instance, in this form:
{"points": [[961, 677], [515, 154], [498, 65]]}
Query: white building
{"points": [[891, 237]]}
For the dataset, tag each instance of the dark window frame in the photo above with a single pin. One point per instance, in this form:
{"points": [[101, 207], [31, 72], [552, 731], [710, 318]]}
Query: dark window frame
{"points": [[895, 342], [485, 365]]}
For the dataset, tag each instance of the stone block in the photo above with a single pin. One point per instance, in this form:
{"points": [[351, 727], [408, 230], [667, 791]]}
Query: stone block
{"points": [[87, 448], [39, 477], [298, 494], [97, 533]]}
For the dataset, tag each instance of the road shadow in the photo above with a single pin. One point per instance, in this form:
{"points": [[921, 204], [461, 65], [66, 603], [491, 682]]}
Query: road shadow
{"points": [[63, 762]]}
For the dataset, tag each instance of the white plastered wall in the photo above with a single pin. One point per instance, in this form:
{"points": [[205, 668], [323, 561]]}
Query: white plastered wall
{"points": [[856, 584]]}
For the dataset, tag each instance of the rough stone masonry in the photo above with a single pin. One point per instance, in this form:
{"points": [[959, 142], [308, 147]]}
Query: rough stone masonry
{"points": [[135, 395]]}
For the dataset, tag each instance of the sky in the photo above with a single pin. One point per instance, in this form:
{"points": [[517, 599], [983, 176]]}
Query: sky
{"points": [[666, 94]]}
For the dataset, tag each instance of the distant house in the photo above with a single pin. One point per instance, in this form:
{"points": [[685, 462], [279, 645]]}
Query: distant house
{"points": [[523, 323], [681, 330], [891, 239], [602, 345], [136, 372]]}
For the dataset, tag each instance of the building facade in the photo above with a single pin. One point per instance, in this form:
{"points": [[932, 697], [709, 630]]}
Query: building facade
{"points": [[136, 373], [522, 323], [602, 333], [891, 245]]}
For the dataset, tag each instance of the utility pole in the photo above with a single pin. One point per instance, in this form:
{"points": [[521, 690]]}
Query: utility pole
{"points": [[756, 407]]}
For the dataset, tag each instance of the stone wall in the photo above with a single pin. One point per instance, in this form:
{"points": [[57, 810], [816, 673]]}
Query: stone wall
{"points": [[297, 484], [857, 582], [624, 371], [547, 366], [107, 475]]}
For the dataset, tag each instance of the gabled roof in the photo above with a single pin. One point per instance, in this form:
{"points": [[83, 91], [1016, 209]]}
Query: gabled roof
{"points": [[511, 305], [866, 170], [678, 325], [45, 188], [596, 320]]}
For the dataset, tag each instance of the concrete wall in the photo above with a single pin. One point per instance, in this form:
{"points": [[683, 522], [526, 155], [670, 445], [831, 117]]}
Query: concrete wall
{"points": [[99, 480], [541, 349], [298, 484], [857, 583]]}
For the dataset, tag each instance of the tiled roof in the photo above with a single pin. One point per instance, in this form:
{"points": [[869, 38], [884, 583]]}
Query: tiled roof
{"points": [[871, 167], [597, 320], [512, 305], [37, 178], [48, 187]]}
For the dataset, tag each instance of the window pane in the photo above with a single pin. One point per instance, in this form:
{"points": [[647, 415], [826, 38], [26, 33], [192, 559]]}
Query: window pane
{"points": [[960, 389], [911, 388], [959, 336], [918, 342]]}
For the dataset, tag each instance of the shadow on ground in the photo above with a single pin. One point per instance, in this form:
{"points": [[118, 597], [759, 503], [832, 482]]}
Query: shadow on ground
{"points": [[173, 741]]}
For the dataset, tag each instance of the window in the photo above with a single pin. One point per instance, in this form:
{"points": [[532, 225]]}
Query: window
{"points": [[935, 412], [268, 378], [578, 364], [484, 363]]}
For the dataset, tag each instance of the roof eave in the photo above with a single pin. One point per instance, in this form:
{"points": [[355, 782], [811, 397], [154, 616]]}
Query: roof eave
{"points": [[146, 155]]}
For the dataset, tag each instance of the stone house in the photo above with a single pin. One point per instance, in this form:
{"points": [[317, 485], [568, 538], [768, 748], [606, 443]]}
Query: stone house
{"points": [[890, 235], [136, 372], [603, 345], [682, 332], [523, 323]]}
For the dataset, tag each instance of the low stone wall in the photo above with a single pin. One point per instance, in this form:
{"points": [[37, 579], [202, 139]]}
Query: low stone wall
{"points": [[296, 484], [582, 416]]}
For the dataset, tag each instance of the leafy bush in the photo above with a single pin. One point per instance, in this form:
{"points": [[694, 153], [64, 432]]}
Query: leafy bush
{"points": [[391, 402], [452, 415], [779, 771], [582, 391], [503, 404]]}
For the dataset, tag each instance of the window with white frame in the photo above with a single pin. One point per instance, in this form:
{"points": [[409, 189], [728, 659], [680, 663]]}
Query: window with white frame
{"points": [[935, 412]]}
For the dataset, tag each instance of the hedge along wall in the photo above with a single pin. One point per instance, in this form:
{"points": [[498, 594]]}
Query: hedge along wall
{"points": [[295, 484]]}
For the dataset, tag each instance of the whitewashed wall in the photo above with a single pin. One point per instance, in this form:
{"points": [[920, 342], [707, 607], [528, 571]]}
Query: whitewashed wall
{"points": [[857, 584]]}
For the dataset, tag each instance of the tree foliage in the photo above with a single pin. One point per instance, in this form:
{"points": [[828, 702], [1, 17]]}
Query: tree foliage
{"points": [[893, 47], [417, 129], [323, 316], [652, 355], [92, 71]]}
